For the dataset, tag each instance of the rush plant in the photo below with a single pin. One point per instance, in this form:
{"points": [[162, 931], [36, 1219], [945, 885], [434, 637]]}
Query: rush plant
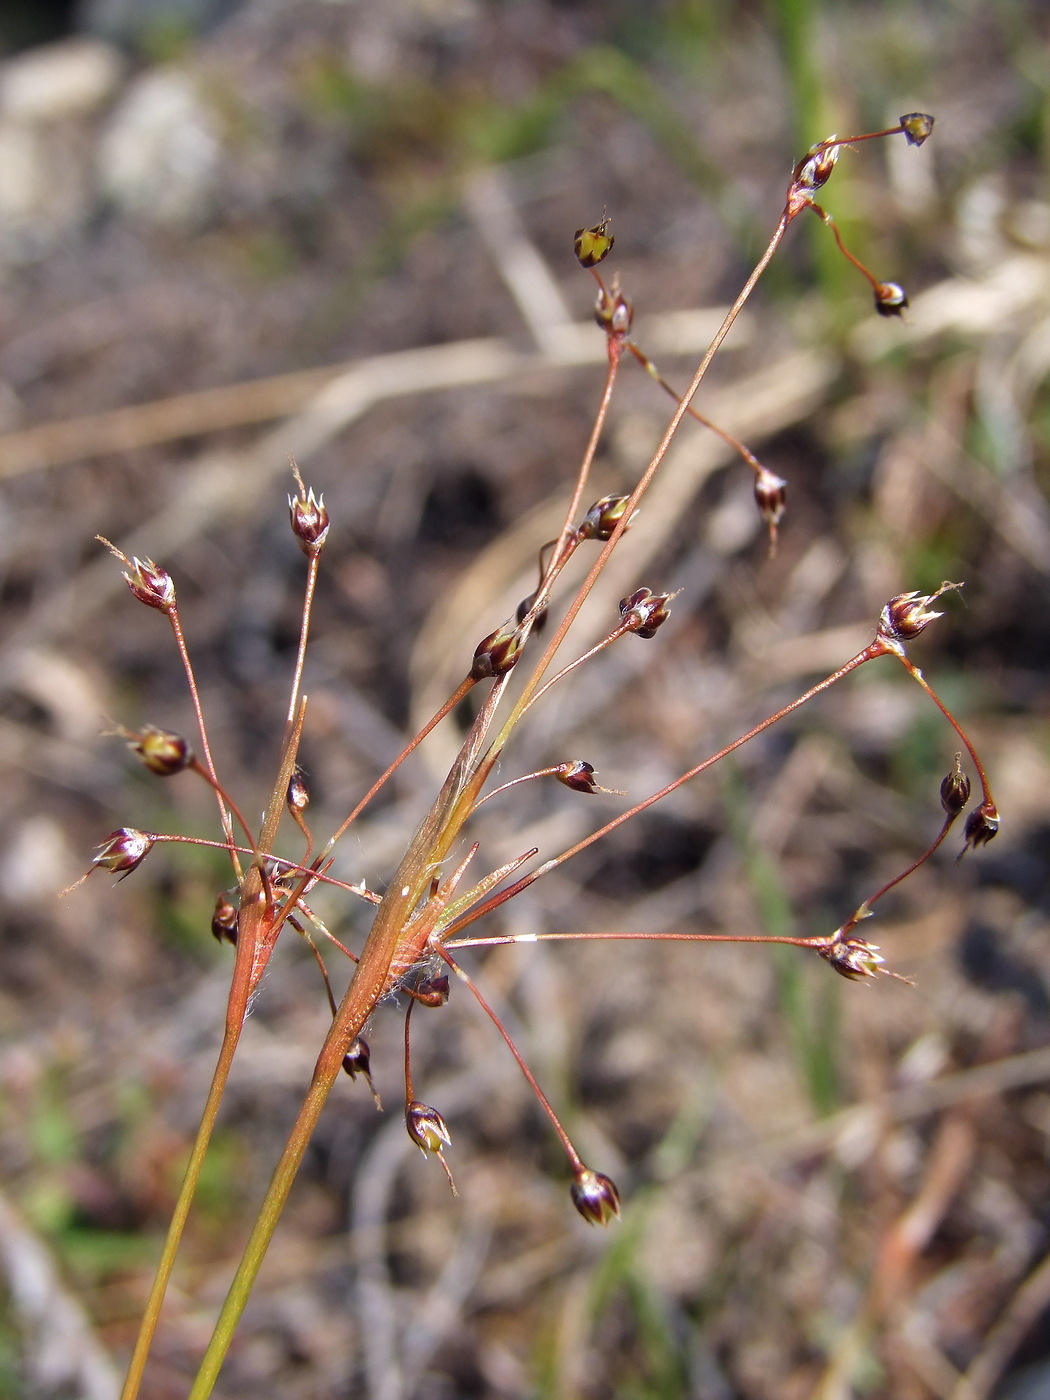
{"points": [[427, 916]]}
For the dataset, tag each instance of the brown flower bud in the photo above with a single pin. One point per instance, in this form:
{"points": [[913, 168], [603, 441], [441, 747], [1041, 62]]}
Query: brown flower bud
{"points": [[298, 793], [851, 956], [224, 921], [163, 753], [770, 496], [593, 245], [981, 826], [890, 299], [525, 607], [498, 652], [603, 517], [814, 170], [955, 790], [426, 1127], [577, 775], [123, 851], [309, 521], [643, 612], [917, 127], [595, 1196], [908, 614]]}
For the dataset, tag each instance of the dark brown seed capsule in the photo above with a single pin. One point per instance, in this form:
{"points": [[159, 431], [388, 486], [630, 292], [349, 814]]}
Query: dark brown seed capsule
{"points": [[603, 517], [909, 614], [432, 991], [298, 792], [309, 521], [224, 921], [497, 653], [643, 612], [852, 957], [981, 826], [770, 496], [357, 1059], [814, 170], [426, 1127], [526, 606], [890, 299], [595, 1196], [955, 790], [123, 851]]}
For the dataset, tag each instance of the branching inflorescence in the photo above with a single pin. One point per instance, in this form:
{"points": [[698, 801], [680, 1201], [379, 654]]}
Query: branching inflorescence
{"points": [[422, 921]]}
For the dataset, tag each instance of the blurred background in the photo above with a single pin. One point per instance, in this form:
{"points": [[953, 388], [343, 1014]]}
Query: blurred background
{"points": [[230, 232]]}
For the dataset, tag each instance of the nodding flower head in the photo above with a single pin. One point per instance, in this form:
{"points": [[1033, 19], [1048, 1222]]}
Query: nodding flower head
{"points": [[498, 652], [603, 517], [917, 126], [426, 1127], [908, 614], [955, 789], [593, 245], [358, 1059], [770, 496], [578, 775], [890, 299], [644, 612], [123, 851], [162, 752], [526, 606], [981, 826], [309, 520], [595, 1196]]}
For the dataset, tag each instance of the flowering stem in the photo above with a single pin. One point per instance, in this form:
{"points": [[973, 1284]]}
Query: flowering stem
{"points": [[575, 1160], [917, 675], [304, 636]]}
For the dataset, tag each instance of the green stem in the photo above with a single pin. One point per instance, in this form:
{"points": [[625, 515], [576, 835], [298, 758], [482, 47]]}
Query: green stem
{"points": [[151, 1316]]}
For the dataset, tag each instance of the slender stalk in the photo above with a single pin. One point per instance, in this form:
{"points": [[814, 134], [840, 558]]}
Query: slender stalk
{"points": [[187, 666], [497, 940], [917, 675], [304, 636], [615, 348], [874, 649]]}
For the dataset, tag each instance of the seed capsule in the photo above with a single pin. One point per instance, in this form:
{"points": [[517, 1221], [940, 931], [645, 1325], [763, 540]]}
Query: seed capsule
{"points": [[595, 1196], [162, 752], [298, 792], [124, 851], [771, 498], [526, 606], [309, 521], [917, 127], [814, 170], [426, 1127], [224, 921], [981, 826], [644, 612], [955, 790], [432, 991], [890, 299], [852, 957], [151, 584], [603, 517], [577, 775], [908, 614], [498, 652], [593, 245]]}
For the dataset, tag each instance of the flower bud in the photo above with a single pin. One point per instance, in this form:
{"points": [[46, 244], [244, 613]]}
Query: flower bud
{"points": [[577, 775], [643, 612], [298, 793], [526, 606], [981, 826], [498, 652], [908, 614], [917, 126], [163, 753], [851, 957], [955, 790], [593, 245], [432, 991], [595, 1196], [890, 299], [770, 496], [151, 584], [426, 1127], [224, 921], [309, 521], [123, 851], [603, 517]]}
